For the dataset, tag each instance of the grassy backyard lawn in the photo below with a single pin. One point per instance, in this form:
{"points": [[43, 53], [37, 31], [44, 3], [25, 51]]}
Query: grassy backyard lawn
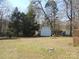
{"points": [[38, 48]]}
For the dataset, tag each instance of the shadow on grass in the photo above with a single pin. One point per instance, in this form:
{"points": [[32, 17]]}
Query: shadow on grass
{"points": [[7, 38], [15, 38], [35, 37]]}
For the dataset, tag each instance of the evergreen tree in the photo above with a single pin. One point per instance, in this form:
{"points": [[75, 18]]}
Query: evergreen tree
{"points": [[15, 21], [29, 24], [23, 23]]}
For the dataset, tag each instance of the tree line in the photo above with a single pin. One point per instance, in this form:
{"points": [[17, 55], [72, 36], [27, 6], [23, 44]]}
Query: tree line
{"points": [[25, 24]]}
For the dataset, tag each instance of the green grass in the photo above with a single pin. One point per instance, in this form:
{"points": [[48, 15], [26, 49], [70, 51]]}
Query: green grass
{"points": [[37, 48]]}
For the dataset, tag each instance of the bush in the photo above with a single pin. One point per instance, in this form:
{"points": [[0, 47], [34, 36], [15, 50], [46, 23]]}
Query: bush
{"points": [[2, 34], [10, 34]]}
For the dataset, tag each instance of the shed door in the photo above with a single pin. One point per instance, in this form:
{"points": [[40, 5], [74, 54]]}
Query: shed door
{"points": [[45, 31]]}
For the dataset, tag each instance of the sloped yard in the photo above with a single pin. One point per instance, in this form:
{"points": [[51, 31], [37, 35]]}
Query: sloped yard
{"points": [[39, 48]]}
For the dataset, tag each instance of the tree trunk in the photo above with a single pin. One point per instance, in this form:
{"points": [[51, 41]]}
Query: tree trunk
{"points": [[71, 20]]}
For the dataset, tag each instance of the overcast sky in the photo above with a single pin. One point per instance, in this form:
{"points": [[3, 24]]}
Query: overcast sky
{"points": [[23, 5]]}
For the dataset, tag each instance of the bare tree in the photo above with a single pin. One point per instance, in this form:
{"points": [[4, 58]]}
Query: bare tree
{"points": [[4, 10], [38, 6], [69, 13], [53, 7]]}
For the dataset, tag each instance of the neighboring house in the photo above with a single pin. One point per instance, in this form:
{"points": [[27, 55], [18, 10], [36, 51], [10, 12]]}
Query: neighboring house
{"points": [[68, 26], [45, 31], [4, 25]]}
